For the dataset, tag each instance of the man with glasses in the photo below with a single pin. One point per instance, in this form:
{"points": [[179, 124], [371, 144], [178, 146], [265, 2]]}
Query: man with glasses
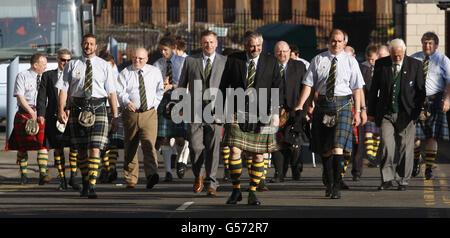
{"points": [[141, 90], [47, 109]]}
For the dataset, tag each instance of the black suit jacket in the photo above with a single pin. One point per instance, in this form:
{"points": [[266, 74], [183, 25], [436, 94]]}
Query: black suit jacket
{"points": [[365, 71], [412, 88], [295, 72], [47, 90], [267, 76]]}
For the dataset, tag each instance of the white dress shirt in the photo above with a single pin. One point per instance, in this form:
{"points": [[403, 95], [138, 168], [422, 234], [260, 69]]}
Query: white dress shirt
{"points": [[348, 74], [177, 65], [438, 72], [26, 86], [103, 81], [129, 86]]}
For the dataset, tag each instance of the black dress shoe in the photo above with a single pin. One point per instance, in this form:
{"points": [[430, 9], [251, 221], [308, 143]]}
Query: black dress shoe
{"points": [[385, 185], [152, 180], [428, 174], [252, 199], [235, 197], [92, 194], [402, 187], [336, 194], [73, 184], [356, 178], [344, 185], [328, 192], [103, 178], [416, 168], [168, 178], [85, 190], [62, 184], [274, 180], [112, 175], [44, 179], [23, 180], [181, 169]]}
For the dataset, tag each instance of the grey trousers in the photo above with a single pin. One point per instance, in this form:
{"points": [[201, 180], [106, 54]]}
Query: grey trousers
{"points": [[397, 133], [204, 145]]}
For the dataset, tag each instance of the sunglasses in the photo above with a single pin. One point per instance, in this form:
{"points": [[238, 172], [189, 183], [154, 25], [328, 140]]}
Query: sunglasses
{"points": [[65, 60]]}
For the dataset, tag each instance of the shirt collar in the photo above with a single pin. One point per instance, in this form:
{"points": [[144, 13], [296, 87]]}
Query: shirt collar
{"points": [[33, 73], [210, 57]]}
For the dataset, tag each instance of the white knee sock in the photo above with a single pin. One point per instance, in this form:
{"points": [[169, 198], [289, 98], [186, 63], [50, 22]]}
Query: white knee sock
{"points": [[183, 153]]}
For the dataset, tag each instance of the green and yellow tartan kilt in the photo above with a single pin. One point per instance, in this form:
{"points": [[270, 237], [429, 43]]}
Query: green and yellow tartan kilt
{"points": [[115, 139], [95, 136], [247, 141]]}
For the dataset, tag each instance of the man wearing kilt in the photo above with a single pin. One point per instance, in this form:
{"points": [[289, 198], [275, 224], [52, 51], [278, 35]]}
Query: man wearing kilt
{"points": [[252, 71], [47, 109], [88, 81], [395, 98], [26, 91], [336, 76], [432, 124], [170, 66], [110, 154]]}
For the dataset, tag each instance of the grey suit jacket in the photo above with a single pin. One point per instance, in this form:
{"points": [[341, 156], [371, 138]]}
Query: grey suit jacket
{"points": [[193, 70]]}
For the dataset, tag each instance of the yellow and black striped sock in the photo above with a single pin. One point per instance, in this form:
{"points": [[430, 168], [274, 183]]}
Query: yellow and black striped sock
{"points": [[417, 154], [42, 159], [73, 160], [23, 163], [370, 152], [235, 172], [59, 162], [225, 156], [105, 160], [93, 164], [249, 160], [345, 162], [113, 155], [256, 172], [83, 165], [376, 145], [266, 166], [430, 157]]}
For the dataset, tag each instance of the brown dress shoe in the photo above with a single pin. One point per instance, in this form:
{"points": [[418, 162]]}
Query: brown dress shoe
{"points": [[198, 185], [211, 192], [131, 185]]}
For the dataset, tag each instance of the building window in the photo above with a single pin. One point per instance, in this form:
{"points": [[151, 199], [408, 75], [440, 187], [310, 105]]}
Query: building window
{"points": [[173, 10], [145, 11], [341, 6], [285, 10], [257, 8], [117, 11], [201, 10], [229, 11], [313, 9]]}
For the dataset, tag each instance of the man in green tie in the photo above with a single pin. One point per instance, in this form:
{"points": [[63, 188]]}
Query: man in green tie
{"points": [[88, 82], [432, 124]]}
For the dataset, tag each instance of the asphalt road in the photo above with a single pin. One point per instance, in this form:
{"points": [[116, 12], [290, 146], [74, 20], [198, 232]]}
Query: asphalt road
{"points": [[290, 199]]}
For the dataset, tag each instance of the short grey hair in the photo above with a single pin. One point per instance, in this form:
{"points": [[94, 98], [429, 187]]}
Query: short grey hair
{"points": [[250, 35], [396, 43], [63, 51]]}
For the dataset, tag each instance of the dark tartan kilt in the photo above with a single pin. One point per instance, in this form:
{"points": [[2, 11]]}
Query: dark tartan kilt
{"points": [[279, 136], [168, 128], [95, 136], [54, 139], [435, 126], [370, 126], [247, 141], [115, 140], [326, 138], [19, 140]]}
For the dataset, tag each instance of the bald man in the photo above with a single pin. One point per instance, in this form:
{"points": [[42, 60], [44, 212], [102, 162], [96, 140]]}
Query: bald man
{"points": [[141, 89], [292, 72]]}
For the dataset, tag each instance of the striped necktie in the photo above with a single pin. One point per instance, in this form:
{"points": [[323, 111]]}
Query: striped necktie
{"points": [[38, 81], [88, 80], [251, 74], [395, 71], [282, 71], [169, 71], [142, 93], [371, 71], [331, 80], [207, 74], [426, 63]]}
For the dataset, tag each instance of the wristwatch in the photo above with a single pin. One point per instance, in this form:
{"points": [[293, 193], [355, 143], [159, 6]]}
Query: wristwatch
{"points": [[364, 108]]}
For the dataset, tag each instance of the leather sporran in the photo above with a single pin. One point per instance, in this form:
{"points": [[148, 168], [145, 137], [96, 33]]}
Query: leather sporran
{"points": [[329, 120], [31, 127], [86, 117], [61, 127]]}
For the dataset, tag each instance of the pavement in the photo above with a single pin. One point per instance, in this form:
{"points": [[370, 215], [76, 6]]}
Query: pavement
{"points": [[290, 199]]}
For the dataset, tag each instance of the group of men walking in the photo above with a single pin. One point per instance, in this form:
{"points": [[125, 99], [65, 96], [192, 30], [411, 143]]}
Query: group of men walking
{"points": [[86, 101]]}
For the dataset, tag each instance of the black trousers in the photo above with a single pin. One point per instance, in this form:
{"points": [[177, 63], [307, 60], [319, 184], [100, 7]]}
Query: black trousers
{"points": [[285, 157]]}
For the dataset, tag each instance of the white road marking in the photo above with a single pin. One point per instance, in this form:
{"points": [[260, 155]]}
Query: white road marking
{"points": [[184, 206]]}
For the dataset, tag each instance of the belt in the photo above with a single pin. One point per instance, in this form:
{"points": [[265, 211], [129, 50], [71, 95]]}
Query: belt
{"points": [[435, 96], [335, 98], [140, 110], [91, 101]]}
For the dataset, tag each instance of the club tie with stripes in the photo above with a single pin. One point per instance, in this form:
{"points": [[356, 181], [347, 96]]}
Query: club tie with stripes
{"points": [[142, 93], [331, 80], [88, 80]]}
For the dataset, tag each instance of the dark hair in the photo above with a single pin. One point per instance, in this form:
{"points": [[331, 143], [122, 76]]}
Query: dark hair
{"points": [[181, 43], [207, 33], [294, 49], [89, 35], [430, 36], [63, 51], [106, 56], [35, 58], [167, 41], [371, 49]]}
